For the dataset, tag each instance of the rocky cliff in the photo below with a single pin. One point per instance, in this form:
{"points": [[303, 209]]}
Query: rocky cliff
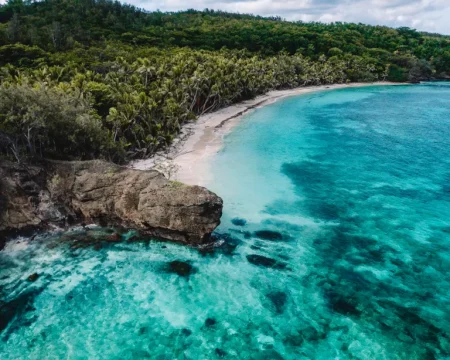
{"points": [[66, 193]]}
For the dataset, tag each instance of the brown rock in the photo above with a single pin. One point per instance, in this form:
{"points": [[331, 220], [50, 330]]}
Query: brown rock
{"points": [[108, 195], [113, 238], [33, 277]]}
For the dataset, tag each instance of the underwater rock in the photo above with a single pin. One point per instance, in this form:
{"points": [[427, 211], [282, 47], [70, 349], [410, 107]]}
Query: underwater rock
{"points": [[311, 334], [263, 261], [180, 268], [186, 332], [220, 353], [278, 299], [343, 305], [239, 222], [284, 257], [98, 192], [143, 330], [113, 238], [223, 244], [33, 277], [15, 308], [268, 235], [90, 237], [210, 322], [133, 238]]}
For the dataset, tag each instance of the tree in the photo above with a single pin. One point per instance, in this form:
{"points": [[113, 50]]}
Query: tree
{"points": [[13, 31]]}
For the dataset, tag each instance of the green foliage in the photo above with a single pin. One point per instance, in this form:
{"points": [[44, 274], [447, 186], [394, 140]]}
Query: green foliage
{"points": [[36, 120], [397, 73], [85, 79], [22, 55]]}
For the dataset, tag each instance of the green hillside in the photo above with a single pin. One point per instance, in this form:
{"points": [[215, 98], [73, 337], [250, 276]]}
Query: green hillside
{"points": [[122, 81]]}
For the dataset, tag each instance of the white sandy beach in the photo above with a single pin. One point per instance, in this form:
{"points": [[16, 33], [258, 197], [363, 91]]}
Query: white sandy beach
{"points": [[190, 155]]}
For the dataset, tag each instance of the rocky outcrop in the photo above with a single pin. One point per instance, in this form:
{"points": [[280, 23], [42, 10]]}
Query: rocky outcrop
{"points": [[66, 193]]}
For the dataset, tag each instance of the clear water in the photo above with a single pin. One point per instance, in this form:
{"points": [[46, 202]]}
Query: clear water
{"points": [[345, 251]]}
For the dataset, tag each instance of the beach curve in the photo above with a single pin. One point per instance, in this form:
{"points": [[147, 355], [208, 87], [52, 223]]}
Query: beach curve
{"points": [[188, 159]]}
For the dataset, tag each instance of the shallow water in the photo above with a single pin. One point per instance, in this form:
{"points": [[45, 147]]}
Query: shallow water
{"points": [[336, 245]]}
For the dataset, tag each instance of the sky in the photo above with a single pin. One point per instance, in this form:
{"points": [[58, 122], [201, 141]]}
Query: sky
{"points": [[424, 15]]}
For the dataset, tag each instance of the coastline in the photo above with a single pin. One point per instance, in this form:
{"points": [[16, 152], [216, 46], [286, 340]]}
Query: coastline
{"points": [[187, 160]]}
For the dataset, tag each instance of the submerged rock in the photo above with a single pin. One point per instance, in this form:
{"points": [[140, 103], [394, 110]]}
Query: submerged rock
{"points": [[220, 353], [278, 299], [268, 235], [263, 261], [17, 307], [180, 268], [210, 322], [143, 330], [239, 222], [113, 237], [223, 244], [186, 332], [86, 237], [64, 193], [343, 305], [33, 277]]}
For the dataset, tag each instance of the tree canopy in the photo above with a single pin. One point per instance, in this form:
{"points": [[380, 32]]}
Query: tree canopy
{"points": [[123, 80]]}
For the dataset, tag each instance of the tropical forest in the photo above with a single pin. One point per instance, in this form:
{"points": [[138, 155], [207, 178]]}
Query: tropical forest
{"points": [[85, 79]]}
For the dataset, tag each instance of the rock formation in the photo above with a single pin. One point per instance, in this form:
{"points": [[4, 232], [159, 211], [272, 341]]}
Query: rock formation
{"points": [[66, 193]]}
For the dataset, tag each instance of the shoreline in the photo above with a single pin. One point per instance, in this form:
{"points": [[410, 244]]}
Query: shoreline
{"points": [[187, 160]]}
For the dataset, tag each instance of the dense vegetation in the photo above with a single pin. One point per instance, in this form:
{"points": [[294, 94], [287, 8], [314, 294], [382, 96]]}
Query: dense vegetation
{"points": [[85, 78]]}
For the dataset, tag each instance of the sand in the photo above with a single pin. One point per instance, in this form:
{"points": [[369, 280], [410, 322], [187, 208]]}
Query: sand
{"points": [[189, 158]]}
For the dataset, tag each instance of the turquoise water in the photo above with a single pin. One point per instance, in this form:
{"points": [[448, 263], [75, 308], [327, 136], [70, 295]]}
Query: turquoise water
{"points": [[334, 244]]}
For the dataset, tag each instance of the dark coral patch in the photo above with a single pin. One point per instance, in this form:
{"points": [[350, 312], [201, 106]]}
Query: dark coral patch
{"points": [[263, 261], [268, 235], [186, 332], [210, 322], [220, 353], [239, 222], [180, 268], [278, 299], [224, 244], [33, 277], [343, 305], [16, 308]]}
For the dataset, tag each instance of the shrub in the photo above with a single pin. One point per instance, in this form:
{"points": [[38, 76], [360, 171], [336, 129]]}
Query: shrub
{"points": [[50, 123]]}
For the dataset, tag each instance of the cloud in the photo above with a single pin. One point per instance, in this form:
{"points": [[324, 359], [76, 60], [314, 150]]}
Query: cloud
{"points": [[426, 15]]}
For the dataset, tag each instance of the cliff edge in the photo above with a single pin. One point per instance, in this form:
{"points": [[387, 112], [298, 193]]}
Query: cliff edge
{"points": [[67, 193]]}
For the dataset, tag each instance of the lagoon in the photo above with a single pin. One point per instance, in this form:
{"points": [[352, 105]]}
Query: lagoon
{"points": [[334, 243]]}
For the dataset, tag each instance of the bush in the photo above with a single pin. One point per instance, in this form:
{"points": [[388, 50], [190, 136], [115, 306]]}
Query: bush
{"points": [[21, 54], [50, 123], [397, 73]]}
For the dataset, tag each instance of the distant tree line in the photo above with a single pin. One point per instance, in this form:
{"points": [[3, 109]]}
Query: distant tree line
{"points": [[83, 79]]}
